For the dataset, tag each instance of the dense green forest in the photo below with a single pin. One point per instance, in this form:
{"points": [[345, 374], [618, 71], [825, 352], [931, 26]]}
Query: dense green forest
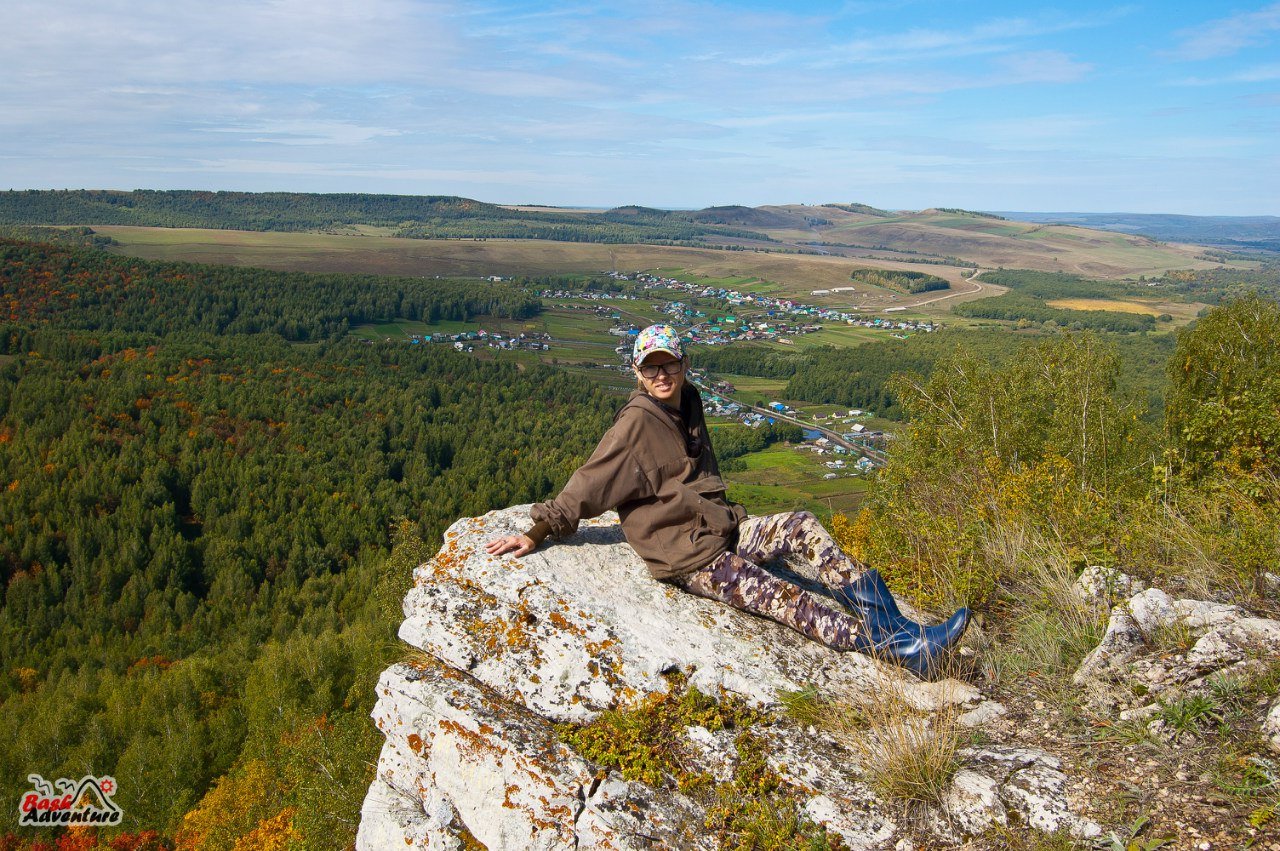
{"points": [[745, 359], [197, 522], [415, 216], [1029, 290], [902, 281], [80, 237]]}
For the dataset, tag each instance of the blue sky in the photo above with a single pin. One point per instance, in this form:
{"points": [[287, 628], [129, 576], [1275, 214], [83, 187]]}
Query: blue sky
{"points": [[1082, 106]]}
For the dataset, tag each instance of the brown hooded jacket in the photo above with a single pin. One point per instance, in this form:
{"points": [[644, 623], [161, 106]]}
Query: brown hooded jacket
{"points": [[659, 471]]}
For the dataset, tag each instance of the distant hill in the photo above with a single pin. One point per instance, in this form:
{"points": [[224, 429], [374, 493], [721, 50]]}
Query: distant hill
{"points": [[234, 210], [943, 236], [1258, 232], [959, 237], [755, 217], [862, 209], [414, 216]]}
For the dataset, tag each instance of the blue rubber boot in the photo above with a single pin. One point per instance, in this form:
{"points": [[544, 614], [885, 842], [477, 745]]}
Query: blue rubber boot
{"points": [[869, 591], [923, 652], [894, 637]]}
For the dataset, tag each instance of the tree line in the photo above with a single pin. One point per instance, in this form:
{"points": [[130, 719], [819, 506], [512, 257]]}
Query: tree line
{"points": [[1221, 283], [900, 280]]}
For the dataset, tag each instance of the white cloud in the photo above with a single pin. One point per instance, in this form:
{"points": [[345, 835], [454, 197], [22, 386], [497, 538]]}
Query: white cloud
{"points": [[139, 42], [1230, 35], [1255, 74], [302, 132], [994, 36], [1044, 66]]}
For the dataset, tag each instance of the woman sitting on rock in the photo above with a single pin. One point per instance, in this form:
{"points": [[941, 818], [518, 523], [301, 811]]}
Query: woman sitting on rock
{"points": [[656, 467]]}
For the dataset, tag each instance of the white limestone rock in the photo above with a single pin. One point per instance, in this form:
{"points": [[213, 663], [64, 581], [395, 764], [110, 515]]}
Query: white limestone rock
{"points": [[982, 715], [1224, 637], [1105, 585], [580, 626], [973, 802], [1234, 640], [1025, 783], [1271, 726], [824, 774], [458, 759]]}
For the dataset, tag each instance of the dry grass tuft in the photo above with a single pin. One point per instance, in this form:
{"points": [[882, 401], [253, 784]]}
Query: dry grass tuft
{"points": [[1045, 627], [907, 756]]}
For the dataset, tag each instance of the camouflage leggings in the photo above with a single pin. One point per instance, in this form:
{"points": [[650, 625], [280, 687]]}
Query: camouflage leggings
{"points": [[737, 579]]}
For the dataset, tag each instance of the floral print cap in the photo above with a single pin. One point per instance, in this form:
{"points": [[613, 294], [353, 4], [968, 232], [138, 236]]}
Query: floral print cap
{"points": [[656, 338]]}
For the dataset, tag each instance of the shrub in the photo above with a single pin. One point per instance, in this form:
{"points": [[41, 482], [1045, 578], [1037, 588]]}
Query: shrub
{"points": [[1223, 410], [1045, 444]]}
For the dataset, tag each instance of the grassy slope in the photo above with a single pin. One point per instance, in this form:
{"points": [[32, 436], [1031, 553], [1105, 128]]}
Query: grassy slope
{"points": [[994, 242]]}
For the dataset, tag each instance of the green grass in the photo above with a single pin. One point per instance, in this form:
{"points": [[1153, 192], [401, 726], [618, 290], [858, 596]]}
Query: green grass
{"points": [[782, 478], [841, 336], [753, 390]]}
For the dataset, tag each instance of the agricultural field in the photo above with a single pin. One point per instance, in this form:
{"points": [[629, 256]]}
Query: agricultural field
{"points": [[1182, 312], [794, 275], [834, 335], [992, 242]]}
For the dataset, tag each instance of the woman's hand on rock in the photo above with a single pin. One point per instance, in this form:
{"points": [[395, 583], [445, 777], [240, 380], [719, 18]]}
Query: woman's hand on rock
{"points": [[517, 545]]}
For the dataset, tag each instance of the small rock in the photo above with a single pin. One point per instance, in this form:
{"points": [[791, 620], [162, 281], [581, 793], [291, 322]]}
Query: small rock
{"points": [[1142, 713], [1104, 585], [1271, 726], [973, 802], [982, 714]]}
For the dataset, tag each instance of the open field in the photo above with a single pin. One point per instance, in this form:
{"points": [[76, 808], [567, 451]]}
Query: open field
{"points": [[782, 478], [750, 389], [1179, 310], [835, 335], [741, 283]]}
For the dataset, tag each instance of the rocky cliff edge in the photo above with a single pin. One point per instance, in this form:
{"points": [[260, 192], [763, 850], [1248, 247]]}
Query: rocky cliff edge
{"points": [[512, 650]]}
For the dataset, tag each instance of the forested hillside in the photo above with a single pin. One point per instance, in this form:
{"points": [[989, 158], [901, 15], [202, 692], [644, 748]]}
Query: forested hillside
{"points": [[71, 288], [416, 216], [197, 519]]}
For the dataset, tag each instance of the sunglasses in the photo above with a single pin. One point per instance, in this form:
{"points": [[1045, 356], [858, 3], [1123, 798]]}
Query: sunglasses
{"points": [[670, 368]]}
